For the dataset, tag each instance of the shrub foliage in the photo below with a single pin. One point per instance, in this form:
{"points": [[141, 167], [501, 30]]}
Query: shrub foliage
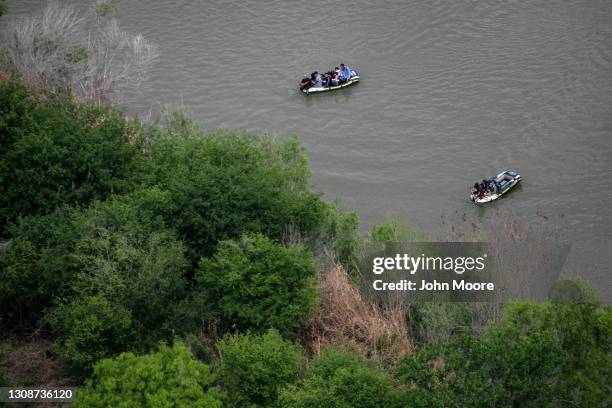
{"points": [[256, 284], [254, 368], [551, 354], [168, 377], [341, 379], [60, 152]]}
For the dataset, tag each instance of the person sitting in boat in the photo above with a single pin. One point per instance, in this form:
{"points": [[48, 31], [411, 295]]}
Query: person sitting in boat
{"points": [[335, 77], [484, 186], [345, 73], [327, 79], [476, 190], [317, 80], [305, 83]]}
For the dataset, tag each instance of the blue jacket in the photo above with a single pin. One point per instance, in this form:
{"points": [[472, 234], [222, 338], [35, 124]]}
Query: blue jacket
{"points": [[345, 73]]}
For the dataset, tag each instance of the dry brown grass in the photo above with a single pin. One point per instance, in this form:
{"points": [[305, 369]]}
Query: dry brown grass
{"points": [[345, 319], [31, 363]]}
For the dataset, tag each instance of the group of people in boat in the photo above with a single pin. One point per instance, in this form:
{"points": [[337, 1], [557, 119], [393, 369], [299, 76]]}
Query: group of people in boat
{"points": [[484, 187], [495, 185], [340, 75]]}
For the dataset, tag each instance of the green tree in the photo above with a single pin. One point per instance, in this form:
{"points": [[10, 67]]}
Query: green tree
{"points": [[254, 368], [341, 379], [226, 183], [89, 329], [126, 257], [582, 331], [58, 152], [118, 248], [133, 261], [342, 236], [436, 322], [541, 355], [258, 284], [171, 377], [37, 264]]}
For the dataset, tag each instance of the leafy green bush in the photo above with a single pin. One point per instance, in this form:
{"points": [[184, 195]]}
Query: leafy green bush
{"points": [[225, 183], [37, 264], [258, 284], [341, 379], [583, 333], [133, 262], [60, 152], [112, 252], [550, 354], [90, 329], [207, 186], [343, 238], [117, 248], [169, 377], [254, 368], [437, 322]]}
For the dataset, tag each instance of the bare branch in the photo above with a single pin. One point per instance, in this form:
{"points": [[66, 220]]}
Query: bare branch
{"points": [[61, 51]]}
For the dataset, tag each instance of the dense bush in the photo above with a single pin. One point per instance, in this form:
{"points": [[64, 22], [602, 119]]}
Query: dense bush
{"points": [[60, 152], [437, 322], [583, 331], [254, 368], [206, 186], [258, 284], [342, 237], [225, 183], [131, 234], [115, 248], [550, 354], [112, 252], [169, 377], [339, 379], [89, 329], [37, 264], [131, 262]]}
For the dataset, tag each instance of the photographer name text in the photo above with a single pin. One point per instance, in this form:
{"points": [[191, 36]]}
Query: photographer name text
{"points": [[433, 286]]}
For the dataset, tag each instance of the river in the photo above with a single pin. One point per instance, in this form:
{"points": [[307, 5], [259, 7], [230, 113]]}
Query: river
{"points": [[451, 92]]}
